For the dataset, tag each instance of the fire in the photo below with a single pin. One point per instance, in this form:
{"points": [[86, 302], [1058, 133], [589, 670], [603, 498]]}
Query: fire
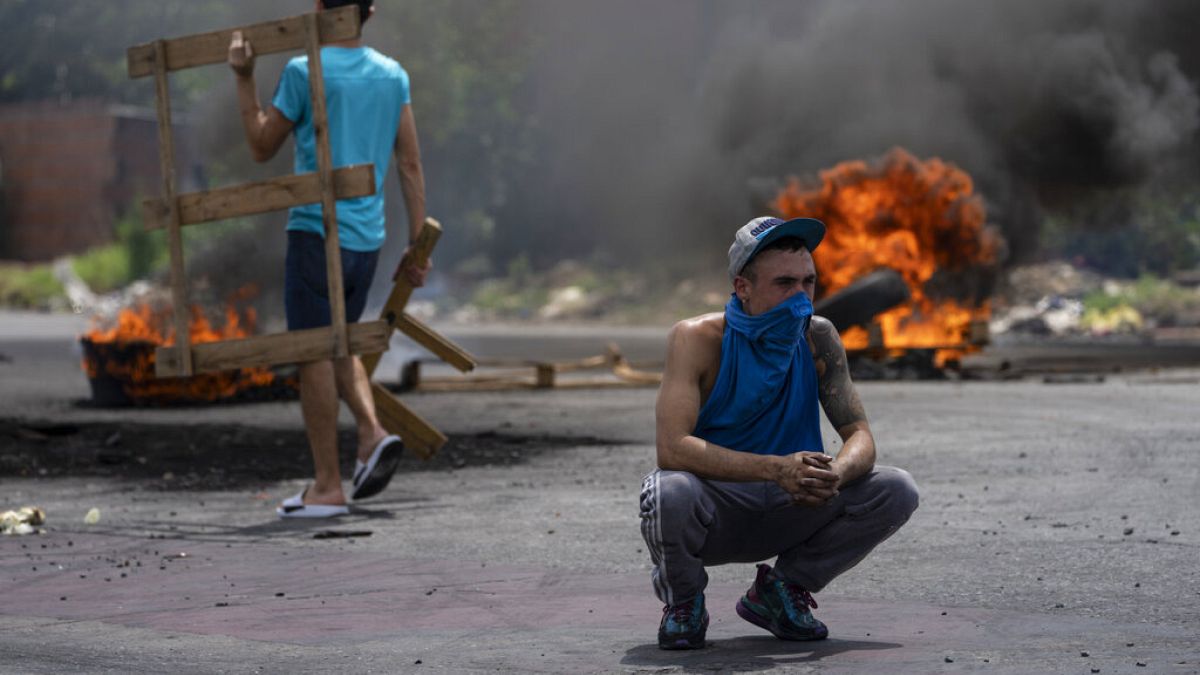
{"points": [[138, 330], [920, 218]]}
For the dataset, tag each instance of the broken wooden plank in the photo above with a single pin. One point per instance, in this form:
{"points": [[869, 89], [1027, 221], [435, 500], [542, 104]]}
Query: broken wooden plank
{"points": [[473, 384], [544, 375], [333, 252], [298, 346], [266, 38], [259, 197], [431, 230], [429, 339], [420, 436], [166, 157], [632, 375]]}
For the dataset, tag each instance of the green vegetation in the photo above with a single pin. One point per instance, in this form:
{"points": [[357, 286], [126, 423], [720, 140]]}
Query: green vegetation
{"points": [[1160, 234], [137, 254], [1151, 296], [28, 286]]}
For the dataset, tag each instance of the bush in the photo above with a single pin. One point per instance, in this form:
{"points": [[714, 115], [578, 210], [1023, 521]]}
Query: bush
{"points": [[136, 255], [28, 287], [1151, 296]]}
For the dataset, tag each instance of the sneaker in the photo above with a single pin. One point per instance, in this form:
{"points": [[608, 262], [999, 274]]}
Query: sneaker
{"points": [[781, 607], [683, 626]]}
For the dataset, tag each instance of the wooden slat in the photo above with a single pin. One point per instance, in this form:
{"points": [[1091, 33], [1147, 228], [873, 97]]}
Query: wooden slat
{"points": [[259, 197], [166, 157], [266, 38], [435, 343], [298, 346], [431, 230], [320, 124], [421, 436], [472, 384]]}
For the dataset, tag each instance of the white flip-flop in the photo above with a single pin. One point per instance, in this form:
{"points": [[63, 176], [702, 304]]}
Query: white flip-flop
{"points": [[294, 507], [372, 476]]}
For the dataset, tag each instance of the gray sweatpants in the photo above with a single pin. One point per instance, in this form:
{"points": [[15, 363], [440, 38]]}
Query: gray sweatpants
{"points": [[690, 522]]}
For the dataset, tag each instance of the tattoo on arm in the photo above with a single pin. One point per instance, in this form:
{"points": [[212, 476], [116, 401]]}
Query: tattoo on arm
{"points": [[838, 395]]}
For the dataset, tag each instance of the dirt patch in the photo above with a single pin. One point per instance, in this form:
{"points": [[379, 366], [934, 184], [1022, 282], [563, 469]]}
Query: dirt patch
{"points": [[223, 456]]}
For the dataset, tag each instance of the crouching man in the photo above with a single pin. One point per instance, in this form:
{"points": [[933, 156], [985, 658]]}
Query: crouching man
{"points": [[742, 474]]}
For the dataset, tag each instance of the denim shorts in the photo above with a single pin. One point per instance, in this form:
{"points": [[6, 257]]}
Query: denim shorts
{"points": [[306, 295]]}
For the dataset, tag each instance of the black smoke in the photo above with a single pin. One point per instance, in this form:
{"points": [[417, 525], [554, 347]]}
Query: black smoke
{"points": [[663, 126]]}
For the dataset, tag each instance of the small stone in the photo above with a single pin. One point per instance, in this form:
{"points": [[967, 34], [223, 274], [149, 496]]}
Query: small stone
{"points": [[1058, 605], [1128, 531], [949, 660], [1174, 533], [279, 594], [1140, 664], [222, 604], [1137, 584], [63, 597], [417, 662], [1084, 654]]}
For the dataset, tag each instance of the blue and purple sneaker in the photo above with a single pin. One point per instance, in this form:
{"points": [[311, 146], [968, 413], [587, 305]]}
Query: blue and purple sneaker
{"points": [[683, 626], [781, 607]]}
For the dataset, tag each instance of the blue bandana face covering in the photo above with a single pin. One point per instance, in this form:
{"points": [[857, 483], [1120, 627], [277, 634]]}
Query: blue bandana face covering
{"points": [[782, 327], [765, 397]]}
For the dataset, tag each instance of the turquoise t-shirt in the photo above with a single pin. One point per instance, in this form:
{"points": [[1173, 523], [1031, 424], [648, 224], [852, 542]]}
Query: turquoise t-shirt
{"points": [[365, 92]]}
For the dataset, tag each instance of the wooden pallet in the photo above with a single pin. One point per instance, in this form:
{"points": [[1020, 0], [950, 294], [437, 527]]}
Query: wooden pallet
{"points": [[517, 374], [172, 211]]}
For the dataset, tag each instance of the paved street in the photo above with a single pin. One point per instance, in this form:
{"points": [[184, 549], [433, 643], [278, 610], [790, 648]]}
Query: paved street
{"points": [[1057, 533]]}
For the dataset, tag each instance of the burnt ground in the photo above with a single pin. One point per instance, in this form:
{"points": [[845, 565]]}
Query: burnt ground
{"points": [[223, 456]]}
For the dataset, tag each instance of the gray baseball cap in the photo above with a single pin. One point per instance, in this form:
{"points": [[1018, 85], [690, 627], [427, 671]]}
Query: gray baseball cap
{"points": [[765, 229]]}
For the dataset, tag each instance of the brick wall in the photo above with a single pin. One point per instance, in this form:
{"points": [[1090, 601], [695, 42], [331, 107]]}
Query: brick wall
{"points": [[67, 172]]}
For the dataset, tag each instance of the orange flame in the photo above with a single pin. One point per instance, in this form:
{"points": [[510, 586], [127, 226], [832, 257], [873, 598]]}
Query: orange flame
{"points": [[919, 218], [151, 327]]}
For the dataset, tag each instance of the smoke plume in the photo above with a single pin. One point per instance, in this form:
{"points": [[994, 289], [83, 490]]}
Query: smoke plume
{"points": [[665, 125]]}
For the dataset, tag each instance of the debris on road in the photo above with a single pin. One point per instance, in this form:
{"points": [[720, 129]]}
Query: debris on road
{"points": [[341, 534], [24, 520], [92, 517]]}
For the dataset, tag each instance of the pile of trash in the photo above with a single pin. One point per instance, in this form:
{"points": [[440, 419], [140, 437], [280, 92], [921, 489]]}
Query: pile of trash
{"points": [[1057, 299], [24, 520]]}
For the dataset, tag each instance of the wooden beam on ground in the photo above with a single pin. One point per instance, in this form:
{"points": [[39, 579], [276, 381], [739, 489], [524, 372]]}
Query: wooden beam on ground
{"points": [[166, 157], [259, 197], [421, 436], [635, 376], [298, 346], [266, 38], [402, 290], [429, 339]]}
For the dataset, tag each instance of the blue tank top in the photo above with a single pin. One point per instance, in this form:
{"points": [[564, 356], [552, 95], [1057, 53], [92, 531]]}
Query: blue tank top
{"points": [[765, 398]]}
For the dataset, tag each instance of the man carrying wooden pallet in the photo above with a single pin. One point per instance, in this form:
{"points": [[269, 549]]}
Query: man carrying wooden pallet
{"points": [[742, 473], [370, 117]]}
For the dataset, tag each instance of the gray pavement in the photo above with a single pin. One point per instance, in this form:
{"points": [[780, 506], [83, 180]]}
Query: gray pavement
{"points": [[1057, 533]]}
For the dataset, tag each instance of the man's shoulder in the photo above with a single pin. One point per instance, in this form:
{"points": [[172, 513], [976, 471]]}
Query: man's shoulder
{"points": [[384, 63], [699, 334]]}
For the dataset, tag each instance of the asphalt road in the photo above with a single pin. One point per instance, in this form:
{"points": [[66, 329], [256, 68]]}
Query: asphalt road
{"points": [[1057, 533]]}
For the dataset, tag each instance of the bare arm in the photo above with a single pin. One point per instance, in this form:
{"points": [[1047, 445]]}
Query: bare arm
{"points": [[842, 405], [265, 130], [407, 153], [692, 347]]}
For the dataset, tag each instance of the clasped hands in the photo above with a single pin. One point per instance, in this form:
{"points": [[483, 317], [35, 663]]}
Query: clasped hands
{"points": [[809, 477]]}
